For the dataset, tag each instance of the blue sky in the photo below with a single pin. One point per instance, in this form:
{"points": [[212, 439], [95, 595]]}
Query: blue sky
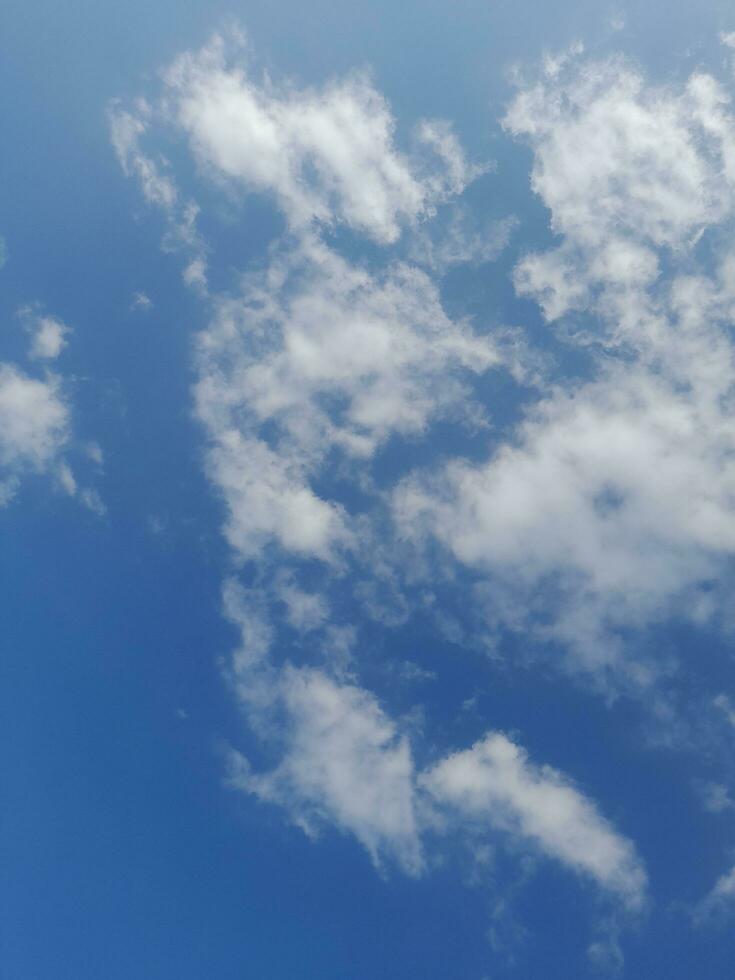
{"points": [[367, 490]]}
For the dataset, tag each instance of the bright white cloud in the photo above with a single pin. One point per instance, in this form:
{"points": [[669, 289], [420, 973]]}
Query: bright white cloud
{"points": [[495, 784], [619, 490], [325, 356], [614, 156], [326, 154], [34, 420], [36, 416], [344, 764]]}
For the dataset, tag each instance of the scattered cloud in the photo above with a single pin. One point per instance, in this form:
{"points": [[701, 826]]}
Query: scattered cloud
{"points": [[344, 764], [48, 333], [719, 904], [142, 302], [494, 783]]}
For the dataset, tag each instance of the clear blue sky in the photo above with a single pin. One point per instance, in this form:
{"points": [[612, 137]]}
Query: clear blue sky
{"points": [[366, 490]]}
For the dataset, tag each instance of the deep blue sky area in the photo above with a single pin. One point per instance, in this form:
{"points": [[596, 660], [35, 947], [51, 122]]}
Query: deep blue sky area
{"points": [[124, 854]]}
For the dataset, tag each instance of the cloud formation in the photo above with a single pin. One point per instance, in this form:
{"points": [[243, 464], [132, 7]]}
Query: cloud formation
{"points": [[327, 155], [496, 785], [618, 488]]}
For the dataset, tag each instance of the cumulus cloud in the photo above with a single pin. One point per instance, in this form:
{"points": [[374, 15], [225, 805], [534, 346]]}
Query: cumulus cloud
{"points": [[48, 333], [325, 154], [344, 764], [461, 241], [325, 356], [36, 416], [495, 784], [34, 423], [310, 366], [618, 489]]}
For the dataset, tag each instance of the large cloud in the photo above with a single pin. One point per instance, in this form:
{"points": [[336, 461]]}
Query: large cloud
{"points": [[614, 501]]}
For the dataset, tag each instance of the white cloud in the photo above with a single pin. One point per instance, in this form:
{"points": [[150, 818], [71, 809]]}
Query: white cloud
{"points": [[34, 420], [141, 301], [621, 491], [48, 333], [36, 415], [617, 490], [720, 902], [326, 356], [614, 156], [462, 241], [495, 784], [326, 154], [344, 764], [126, 131]]}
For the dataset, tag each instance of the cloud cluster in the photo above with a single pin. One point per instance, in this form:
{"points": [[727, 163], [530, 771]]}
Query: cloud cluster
{"points": [[345, 763], [36, 415], [317, 357], [618, 489]]}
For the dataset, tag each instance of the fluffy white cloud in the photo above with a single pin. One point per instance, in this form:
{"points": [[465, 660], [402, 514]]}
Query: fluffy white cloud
{"points": [[614, 156], [128, 129], [343, 764], [614, 499], [48, 333], [495, 784], [326, 154], [325, 356], [621, 492], [34, 421], [36, 416]]}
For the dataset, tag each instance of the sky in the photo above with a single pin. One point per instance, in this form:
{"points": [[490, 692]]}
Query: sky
{"points": [[367, 490]]}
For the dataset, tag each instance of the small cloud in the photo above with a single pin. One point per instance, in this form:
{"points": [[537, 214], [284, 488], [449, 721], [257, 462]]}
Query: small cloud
{"points": [[715, 797], [617, 21], [66, 479], [94, 451], [48, 333], [156, 523], [182, 714], [142, 302], [725, 705], [3, 251], [195, 274], [92, 501]]}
